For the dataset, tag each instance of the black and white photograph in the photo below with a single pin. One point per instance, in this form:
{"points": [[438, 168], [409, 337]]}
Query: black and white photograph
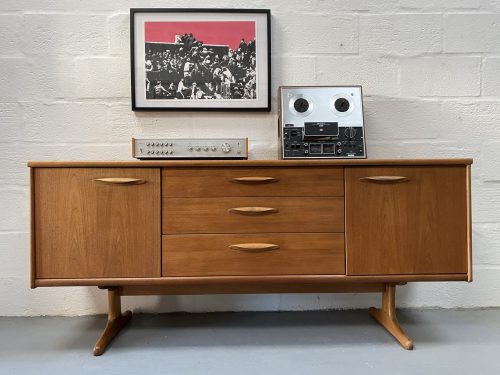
{"points": [[201, 60]]}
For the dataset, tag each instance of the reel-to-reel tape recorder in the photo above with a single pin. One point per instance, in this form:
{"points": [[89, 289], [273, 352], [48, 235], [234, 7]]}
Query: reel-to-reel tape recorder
{"points": [[321, 122]]}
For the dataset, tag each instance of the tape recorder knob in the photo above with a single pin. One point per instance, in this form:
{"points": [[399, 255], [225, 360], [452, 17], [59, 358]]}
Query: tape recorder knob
{"points": [[342, 105], [350, 132], [301, 105]]}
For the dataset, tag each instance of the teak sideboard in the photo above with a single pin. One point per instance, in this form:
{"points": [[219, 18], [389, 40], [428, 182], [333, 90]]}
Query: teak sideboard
{"points": [[207, 227]]}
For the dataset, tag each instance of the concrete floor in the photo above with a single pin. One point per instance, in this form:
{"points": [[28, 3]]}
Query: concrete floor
{"points": [[334, 342]]}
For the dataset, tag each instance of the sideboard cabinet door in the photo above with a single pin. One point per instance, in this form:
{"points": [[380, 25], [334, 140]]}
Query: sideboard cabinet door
{"points": [[406, 220], [97, 222]]}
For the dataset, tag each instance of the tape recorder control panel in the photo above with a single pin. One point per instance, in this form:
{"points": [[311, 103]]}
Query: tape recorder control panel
{"points": [[321, 122]]}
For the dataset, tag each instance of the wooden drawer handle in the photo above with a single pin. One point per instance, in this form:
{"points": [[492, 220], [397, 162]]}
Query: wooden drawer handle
{"points": [[254, 247], [253, 210], [254, 180], [121, 181], [385, 179]]}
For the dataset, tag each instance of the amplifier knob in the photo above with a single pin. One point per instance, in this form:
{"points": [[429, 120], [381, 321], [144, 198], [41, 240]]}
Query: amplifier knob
{"points": [[205, 148], [214, 148], [190, 148], [148, 144], [171, 144], [225, 147], [198, 148]]}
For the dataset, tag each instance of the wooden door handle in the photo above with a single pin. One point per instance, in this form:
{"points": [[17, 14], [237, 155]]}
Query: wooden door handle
{"points": [[253, 180], [253, 210], [254, 247], [121, 181], [385, 179]]}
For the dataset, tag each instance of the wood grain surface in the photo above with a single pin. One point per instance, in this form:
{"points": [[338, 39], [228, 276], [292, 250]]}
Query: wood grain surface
{"points": [[415, 227], [211, 215], [246, 163], [221, 182], [86, 229], [248, 283], [211, 254]]}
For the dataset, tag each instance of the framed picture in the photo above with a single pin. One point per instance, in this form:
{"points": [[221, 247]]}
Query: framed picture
{"points": [[200, 59]]}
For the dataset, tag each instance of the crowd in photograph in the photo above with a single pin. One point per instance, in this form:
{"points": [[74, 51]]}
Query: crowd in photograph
{"points": [[189, 69]]}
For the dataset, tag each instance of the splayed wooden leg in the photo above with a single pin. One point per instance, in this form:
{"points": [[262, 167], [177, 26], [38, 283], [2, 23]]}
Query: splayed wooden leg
{"points": [[116, 321], [386, 316]]}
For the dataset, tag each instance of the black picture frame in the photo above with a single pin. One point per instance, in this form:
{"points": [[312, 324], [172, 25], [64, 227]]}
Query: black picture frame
{"points": [[249, 93]]}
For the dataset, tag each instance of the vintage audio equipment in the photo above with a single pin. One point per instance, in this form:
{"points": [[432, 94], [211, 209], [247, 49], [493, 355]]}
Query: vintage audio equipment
{"points": [[321, 122], [190, 148]]}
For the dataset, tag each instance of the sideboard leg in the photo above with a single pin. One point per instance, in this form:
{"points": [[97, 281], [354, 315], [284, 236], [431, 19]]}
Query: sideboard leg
{"points": [[116, 321], [386, 316]]}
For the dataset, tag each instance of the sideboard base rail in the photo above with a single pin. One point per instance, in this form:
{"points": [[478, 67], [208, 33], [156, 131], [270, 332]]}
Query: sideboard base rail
{"points": [[256, 282]]}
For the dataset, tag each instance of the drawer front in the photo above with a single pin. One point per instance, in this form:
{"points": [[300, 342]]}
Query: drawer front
{"points": [[247, 182], [97, 222], [251, 254], [406, 220], [253, 215]]}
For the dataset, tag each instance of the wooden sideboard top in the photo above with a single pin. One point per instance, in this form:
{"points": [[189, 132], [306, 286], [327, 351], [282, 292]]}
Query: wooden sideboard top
{"points": [[245, 163]]}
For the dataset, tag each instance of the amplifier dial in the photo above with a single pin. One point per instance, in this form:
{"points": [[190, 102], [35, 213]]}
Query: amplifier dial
{"points": [[225, 147]]}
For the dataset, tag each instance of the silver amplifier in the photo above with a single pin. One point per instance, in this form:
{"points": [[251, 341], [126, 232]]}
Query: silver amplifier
{"points": [[190, 148], [321, 122]]}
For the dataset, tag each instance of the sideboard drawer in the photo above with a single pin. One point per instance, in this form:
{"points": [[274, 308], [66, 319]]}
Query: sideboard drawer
{"points": [[248, 182], [253, 254], [252, 215]]}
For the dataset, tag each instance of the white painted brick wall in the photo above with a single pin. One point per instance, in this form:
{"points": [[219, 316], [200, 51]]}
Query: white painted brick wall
{"points": [[63, 34], [491, 76], [430, 75], [400, 34], [379, 76], [422, 119], [471, 32], [95, 72], [441, 76], [315, 34]]}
